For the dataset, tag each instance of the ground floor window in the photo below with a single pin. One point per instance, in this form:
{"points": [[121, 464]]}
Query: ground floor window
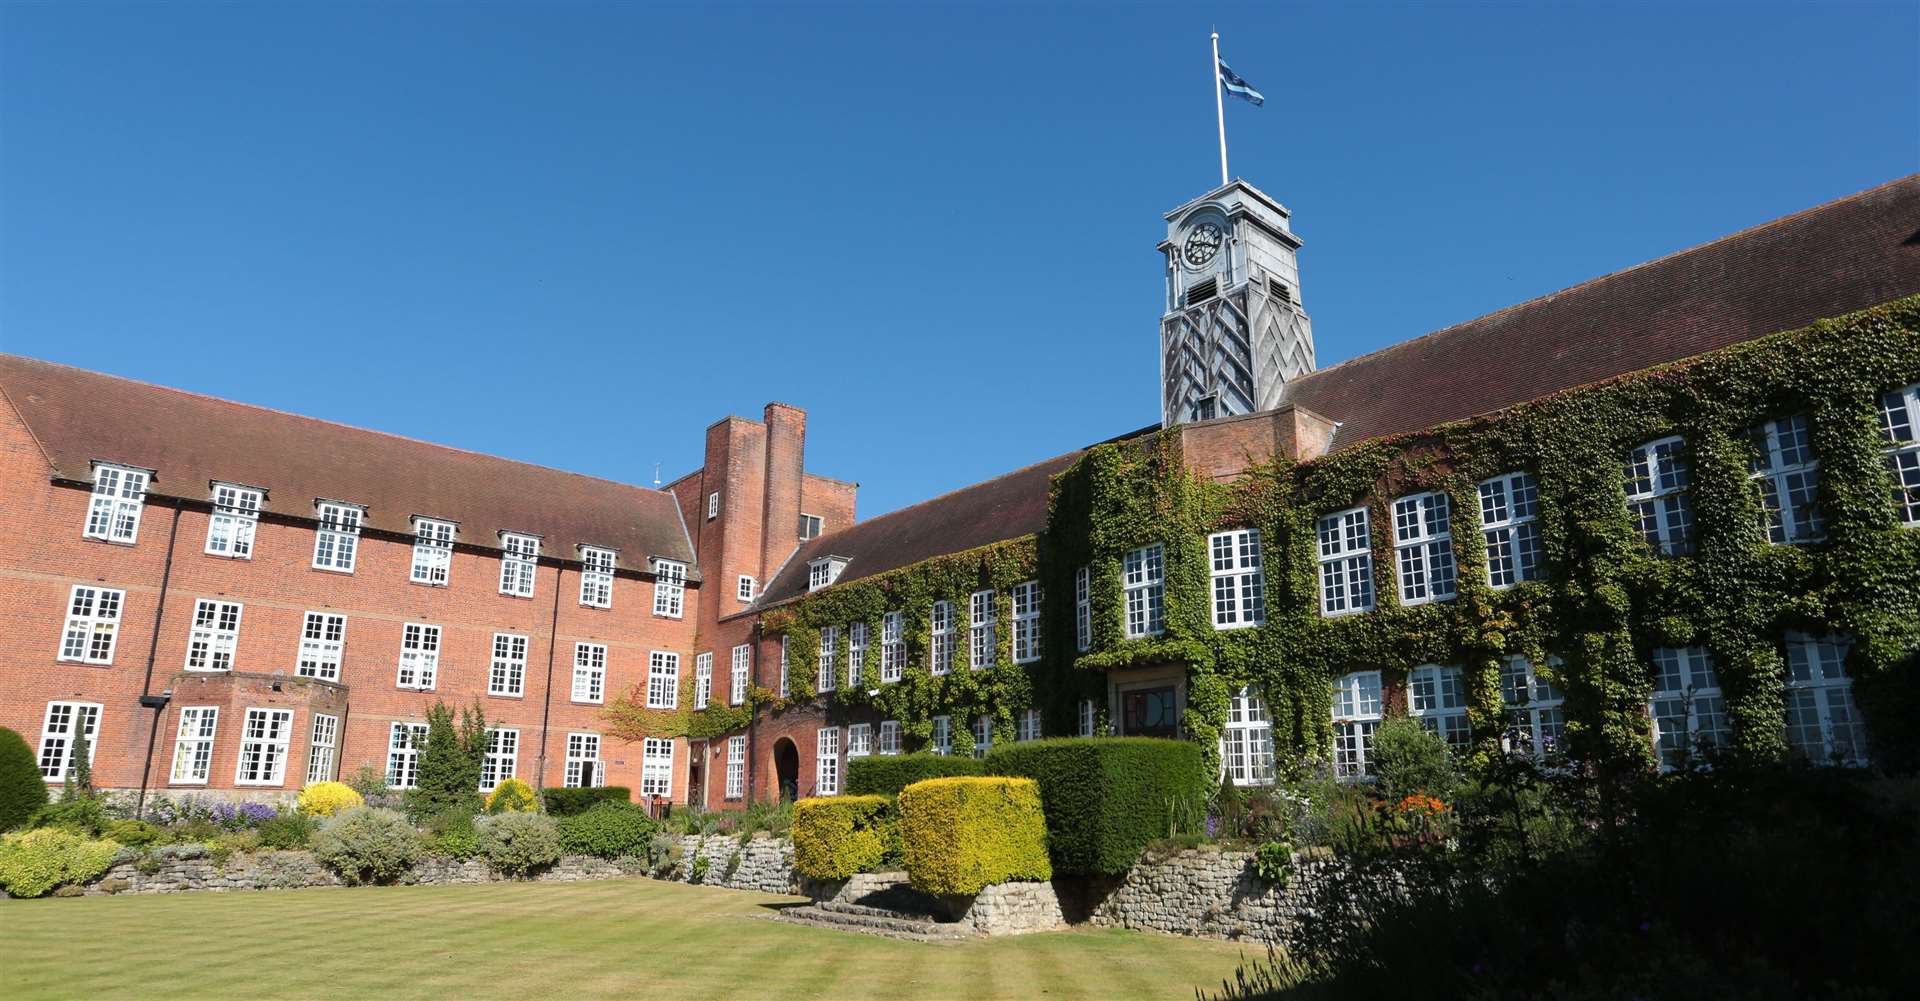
{"points": [[403, 754], [943, 735], [1356, 715], [193, 746], [1029, 725], [1087, 717], [1536, 722], [263, 747], [982, 735], [859, 740], [584, 767], [1823, 725], [503, 753], [889, 736], [1437, 697], [656, 768], [1689, 713], [320, 750], [1150, 712], [1248, 744], [64, 720], [826, 762], [736, 767]]}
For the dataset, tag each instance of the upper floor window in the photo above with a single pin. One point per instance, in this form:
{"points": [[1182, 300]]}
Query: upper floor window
{"points": [[1688, 711], [713, 505], [215, 634], [1346, 563], [940, 638], [1900, 426], [783, 688], [1823, 724], [856, 653], [93, 624], [982, 618], [1536, 722], [663, 680], [1656, 485], [337, 538], [743, 589], [590, 675], [1788, 474], [419, 656], [1026, 622], [519, 556], [1082, 609], [1510, 516], [1356, 715], [1145, 578], [829, 655], [810, 526], [507, 674], [236, 513], [702, 680], [824, 571], [669, 587], [65, 721], [323, 644], [1247, 749], [596, 577], [1423, 548], [1437, 697], [432, 551], [1239, 588], [893, 646], [741, 669], [114, 513]]}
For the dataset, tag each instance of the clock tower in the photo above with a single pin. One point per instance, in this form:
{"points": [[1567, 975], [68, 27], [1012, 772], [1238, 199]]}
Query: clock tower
{"points": [[1234, 332]]}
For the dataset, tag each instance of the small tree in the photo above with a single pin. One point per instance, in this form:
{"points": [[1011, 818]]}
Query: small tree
{"points": [[1411, 760], [22, 790], [450, 761], [80, 771]]}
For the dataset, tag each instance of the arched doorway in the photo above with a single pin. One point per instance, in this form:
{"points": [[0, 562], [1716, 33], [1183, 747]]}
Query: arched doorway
{"points": [[786, 765]]}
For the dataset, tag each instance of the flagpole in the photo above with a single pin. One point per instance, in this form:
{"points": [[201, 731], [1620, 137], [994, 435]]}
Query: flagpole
{"points": [[1220, 109]]}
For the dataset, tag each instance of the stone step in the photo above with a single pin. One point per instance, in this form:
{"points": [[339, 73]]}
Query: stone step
{"points": [[867, 910], [882, 924]]}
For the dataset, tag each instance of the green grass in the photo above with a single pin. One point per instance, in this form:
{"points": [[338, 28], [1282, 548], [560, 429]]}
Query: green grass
{"points": [[625, 939]]}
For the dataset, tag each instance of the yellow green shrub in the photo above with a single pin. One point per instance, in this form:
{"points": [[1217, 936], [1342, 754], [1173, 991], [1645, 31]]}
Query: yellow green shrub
{"points": [[837, 836], [513, 796], [39, 860], [960, 835], [324, 799]]}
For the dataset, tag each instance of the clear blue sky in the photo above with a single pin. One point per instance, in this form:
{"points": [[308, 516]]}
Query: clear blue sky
{"points": [[577, 234]]}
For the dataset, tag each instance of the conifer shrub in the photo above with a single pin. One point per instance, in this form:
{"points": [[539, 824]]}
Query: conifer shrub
{"points": [[324, 799], [513, 796], [518, 843], [34, 862], [837, 836], [22, 791], [367, 844], [1107, 798], [960, 835], [610, 830], [887, 774]]}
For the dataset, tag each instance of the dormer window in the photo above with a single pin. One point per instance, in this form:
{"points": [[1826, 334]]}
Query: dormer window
{"points": [[669, 587], [336, 540], [824, 571], [117, 495], [236, 512], [519, 555], [432, 551]]}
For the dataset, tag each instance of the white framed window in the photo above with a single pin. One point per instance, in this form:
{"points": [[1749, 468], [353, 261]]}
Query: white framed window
{"points": [[1900, 426], [1026, 622], [113, 514], [940, 638], [57, 736], [742, 670], [1656, 485], [810, 527], [1437, 697], [1248, 744], [826, 761], [1083, 609], [1689, 714], [1346, 563], [1239, 588], [856, 653], [596, 577], [193, 745], [669, 588], [942, 735], [404, 741], [590, 674], [519, 558], [1536, 720], [502, 757], [656, 768], [1423, 548], [322, 748], [432, 552], [336, 540], [889, 736], [1787, 473], [1823, 725], [1089, 720], [1027, 725], [826, 677], [824, 571], [584, 768], [419, 656], [663, 679], [323, 646], [1144, 573], [982, 627], [713, 505], [744, 589], [783, 666], [263, 748], [1356, 715], [214, 636], [702, 680], [1510, 519], [859, 740], [507, 674], [982, 735], [93, 624], [736, 767], [236, 514], [893, 646]]}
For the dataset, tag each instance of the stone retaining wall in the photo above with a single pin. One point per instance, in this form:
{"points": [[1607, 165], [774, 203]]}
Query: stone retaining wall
{"points": [[1204, 892], [764, 863], [183, 868]]}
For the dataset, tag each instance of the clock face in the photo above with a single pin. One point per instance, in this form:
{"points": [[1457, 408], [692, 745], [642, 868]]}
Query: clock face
{"points": [[1203, 242]]}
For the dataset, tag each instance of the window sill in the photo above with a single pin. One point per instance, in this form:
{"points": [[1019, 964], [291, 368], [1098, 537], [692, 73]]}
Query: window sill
{"points": [[428, 583], [348, 572], [506, 695], [226, 556], [129, 543]]}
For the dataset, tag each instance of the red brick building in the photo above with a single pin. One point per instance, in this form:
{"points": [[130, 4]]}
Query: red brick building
{"points": [[234, 599]]}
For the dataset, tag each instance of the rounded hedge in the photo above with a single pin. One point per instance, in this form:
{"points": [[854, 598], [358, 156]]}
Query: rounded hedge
{"points": [[22, 791], [518, 843], [324, 799], [513, 796], [367, 844]]}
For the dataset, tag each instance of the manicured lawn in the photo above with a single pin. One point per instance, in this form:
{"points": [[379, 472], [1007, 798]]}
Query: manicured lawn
{"points": [[548, 942]]}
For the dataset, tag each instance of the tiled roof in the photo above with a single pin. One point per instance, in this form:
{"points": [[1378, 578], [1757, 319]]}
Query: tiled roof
{"points": [[1843, 256], [189, 439]]}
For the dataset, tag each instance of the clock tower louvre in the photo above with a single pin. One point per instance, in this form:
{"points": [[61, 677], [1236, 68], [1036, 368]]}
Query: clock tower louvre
{"points": [[1234, 333]]}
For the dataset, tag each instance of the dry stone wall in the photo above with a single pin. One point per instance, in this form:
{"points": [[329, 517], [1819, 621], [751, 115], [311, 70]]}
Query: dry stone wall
{"points": [[1204, 892], [178, 869], [764, 863]]}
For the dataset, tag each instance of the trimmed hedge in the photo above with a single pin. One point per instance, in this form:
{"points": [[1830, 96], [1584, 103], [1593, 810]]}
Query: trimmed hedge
{"points": [[610, 830], [567, 802], [887, 774], [1107, 798], [960, 835], [837, 836], [22, 790]]}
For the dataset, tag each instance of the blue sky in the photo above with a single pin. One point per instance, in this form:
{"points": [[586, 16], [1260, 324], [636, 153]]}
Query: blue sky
{"points": [[576, 234]]}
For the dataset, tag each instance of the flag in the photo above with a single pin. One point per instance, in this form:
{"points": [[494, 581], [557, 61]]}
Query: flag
{"points": [[1238, 87]]}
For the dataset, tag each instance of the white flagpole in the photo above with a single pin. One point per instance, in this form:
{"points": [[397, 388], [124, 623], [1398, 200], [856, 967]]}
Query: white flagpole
{"points": [[1220, 109]]}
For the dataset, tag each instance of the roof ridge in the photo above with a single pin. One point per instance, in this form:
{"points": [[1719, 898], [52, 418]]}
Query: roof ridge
{"points": [[322, 421], [944, 496], [1611, 275]]}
